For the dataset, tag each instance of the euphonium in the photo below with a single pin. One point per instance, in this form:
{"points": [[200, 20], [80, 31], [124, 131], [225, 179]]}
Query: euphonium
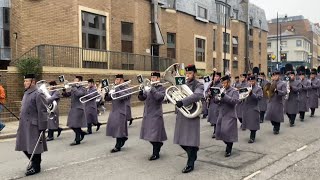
{"points": [[177, 93], [42, 87]]}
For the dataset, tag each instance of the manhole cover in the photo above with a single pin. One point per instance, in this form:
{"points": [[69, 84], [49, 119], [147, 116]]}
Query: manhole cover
{"points": [[215, 155]]}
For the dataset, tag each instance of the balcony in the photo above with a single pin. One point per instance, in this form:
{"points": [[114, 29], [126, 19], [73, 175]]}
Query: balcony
{"points": [[75, 57]]}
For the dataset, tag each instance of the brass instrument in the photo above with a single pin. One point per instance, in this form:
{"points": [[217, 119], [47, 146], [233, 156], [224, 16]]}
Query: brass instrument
{"points": [[81, 99], [217, 92], [244, 92], [177, 93], [43, 87]]}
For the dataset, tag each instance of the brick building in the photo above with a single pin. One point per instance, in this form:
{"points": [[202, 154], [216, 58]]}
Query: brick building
{"points": [[190, 31], [300, 37]]}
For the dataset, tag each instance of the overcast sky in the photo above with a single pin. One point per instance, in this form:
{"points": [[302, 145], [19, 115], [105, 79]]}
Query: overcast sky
{"points": [[308, 8]]}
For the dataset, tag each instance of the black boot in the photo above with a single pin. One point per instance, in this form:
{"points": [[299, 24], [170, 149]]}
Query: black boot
{"points": [[98, 126], [117, 147], [312, 112], [156, 150], [228, 149], [214, 131], [50, 135], [302, 116], [82, 134], [36, 165], [89, 129], [262, 116], [130, 121], [252, 136], [59, 131], [123, 141]]}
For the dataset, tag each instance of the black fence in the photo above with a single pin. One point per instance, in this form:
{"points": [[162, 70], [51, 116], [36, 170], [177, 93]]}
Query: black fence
{"points": [[75, 57]]}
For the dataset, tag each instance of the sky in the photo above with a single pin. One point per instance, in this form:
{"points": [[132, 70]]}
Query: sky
{"points": [[308, 8]]}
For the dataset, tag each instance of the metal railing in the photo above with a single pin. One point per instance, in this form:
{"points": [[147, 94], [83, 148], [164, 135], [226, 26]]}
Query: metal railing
{"points": [[75, 57]]}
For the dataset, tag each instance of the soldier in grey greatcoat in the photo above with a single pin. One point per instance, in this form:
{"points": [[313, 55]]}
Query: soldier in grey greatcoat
{"points": [[53, 121], [304, 95], [91, 107], [152, 128], [264, 100], [236, 82], [292, 103], [239, 108], [227, 129], [187, 130], [275, 104], [117, 121], [314, 92], [33, 121], [251, 111], [213, 107], [76, 117]]}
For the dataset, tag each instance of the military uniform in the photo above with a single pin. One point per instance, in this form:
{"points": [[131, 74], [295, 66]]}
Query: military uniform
{"points": [[227, 130], [292, 103], [213, 109], [33, 121], [91, 109], [53, 122], [304, 97], [117, 121], [251, 111], [152, 128], [76, 117], [314, 95], [263, 103], [187, 130], [275, 109], [239, 108]]}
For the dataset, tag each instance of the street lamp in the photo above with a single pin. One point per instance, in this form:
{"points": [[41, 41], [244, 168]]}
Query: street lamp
{"points": [[225, 38], [273, 57], [279, 25]]}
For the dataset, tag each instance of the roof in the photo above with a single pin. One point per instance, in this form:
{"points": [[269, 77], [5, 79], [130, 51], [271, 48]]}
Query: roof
{"points": [[189, 7]]}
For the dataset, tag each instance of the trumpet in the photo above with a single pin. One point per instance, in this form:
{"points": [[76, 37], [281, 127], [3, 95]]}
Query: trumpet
{"points": [[88, 95]]}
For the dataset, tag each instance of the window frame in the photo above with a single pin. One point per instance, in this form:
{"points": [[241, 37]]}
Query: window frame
{"points": [[172, 46], [127, 38], [200, 18], [235, 46], [226, 47], [203, 52]]}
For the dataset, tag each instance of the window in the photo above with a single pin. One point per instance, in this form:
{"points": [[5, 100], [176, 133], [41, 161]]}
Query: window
{"points": [[223, 11], [6, 35], [226, 43], [214, 40], [202, 12], [283, 43], [171, 45], [235, 64], [6, 15], [171, 4], [200, 50], [127, 37], [251, 31], [235, 44], [226, 65], [236, 14], [283, 56], [260, 30], [93, 31], [269, 45], [250, 44]]}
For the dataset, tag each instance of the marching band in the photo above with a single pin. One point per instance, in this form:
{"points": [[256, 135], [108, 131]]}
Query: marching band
{"points": [[250, 98]]}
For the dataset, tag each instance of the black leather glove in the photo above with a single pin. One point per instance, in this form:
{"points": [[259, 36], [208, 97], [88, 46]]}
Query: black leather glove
{"points": [[179, 104], [222, 95], [64, 90], [250, 93], [141, 92], [276, 91]]}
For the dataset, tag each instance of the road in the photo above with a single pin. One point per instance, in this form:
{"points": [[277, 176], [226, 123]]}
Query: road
{"points": [[293, 154]]}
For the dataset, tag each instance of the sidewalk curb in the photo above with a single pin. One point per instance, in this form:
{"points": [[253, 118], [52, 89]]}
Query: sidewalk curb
{"points": [[13, 135]]}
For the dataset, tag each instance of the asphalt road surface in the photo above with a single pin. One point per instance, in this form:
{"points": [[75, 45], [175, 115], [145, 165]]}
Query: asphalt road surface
{"points": [[293, 154]]}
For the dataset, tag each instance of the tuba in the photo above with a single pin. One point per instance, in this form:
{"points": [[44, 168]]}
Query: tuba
{"points": [[51, 108], [177, 93]]}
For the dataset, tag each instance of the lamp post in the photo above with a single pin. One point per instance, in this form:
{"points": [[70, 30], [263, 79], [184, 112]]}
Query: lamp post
{"points": [[225, 66], [279, 37]]}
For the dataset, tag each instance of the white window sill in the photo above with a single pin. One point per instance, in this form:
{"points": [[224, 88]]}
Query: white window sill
{"points": [[202, 19]]}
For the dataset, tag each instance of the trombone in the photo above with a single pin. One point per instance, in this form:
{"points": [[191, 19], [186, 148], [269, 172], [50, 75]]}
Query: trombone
{"points": [[67, 86], [88, 95], [116, 94]]}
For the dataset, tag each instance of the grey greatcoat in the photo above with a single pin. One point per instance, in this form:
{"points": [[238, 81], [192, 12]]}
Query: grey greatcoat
{"points": [[304, 95], [275, 104], [251, 111], [91, 108], [314, 94], [152, 128], [213, 111], [292, 104], [33, 120], [187, 131], [263, 103], [53, 122], [76, 116], [227, 129], [239, 108], [117, 121], [128, 107]]}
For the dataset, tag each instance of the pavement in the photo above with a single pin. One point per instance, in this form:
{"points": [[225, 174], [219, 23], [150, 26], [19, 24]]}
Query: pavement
{"points": [[11, 128], [293, 154]]}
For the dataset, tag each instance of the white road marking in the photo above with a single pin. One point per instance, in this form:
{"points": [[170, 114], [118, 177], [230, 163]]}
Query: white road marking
{"points": [[302, 148], [252, 175]]}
